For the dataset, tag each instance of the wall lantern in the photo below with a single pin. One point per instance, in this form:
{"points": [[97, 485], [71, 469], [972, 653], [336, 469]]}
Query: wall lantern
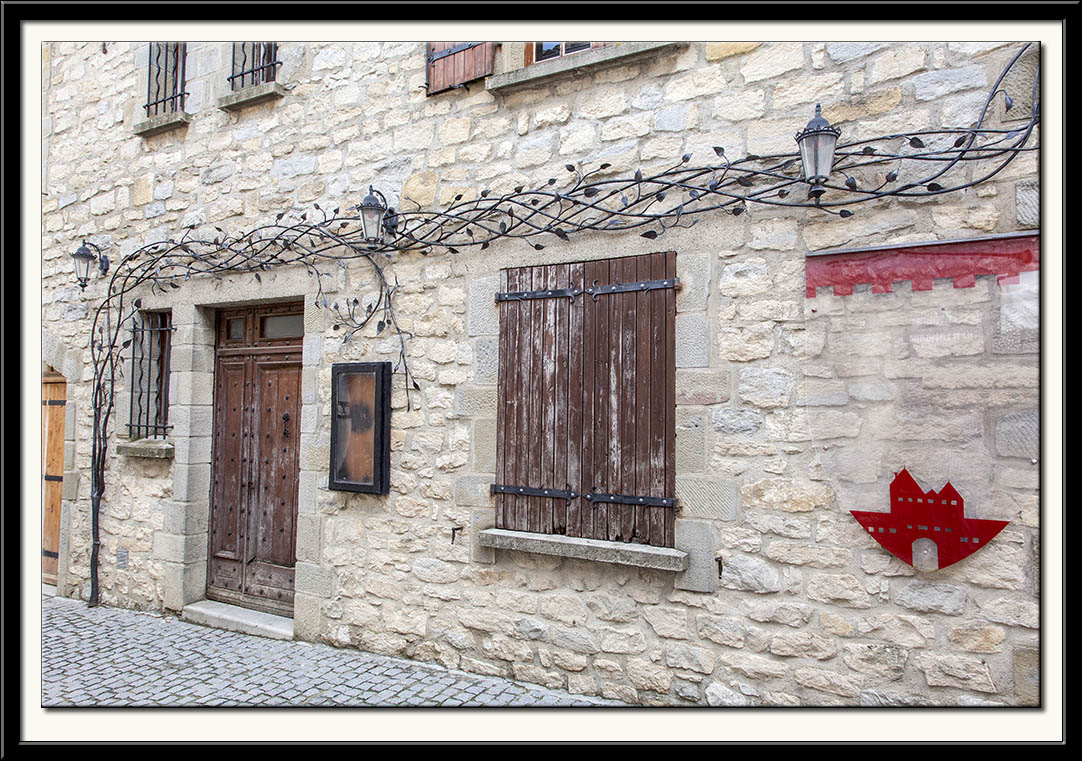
{"points": [[84, 257], [817, 143], [377, 220]]}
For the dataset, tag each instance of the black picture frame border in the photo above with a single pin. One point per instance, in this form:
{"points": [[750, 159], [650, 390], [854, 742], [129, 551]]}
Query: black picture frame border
{"points": [[381, 476]]}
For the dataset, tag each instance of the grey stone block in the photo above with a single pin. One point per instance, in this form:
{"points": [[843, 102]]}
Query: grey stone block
{"points": [[473, 491], [707, 498], [483, 316], [486, 352], [480, 520], [1027, 204], [314, 580], [693, 270], [476, 401], [692, 340], [1018, 434], [696, 538]]}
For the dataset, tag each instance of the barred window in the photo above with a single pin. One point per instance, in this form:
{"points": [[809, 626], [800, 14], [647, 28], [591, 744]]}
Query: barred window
{"points": [[165, 78], [150, 342], [253, 64]]}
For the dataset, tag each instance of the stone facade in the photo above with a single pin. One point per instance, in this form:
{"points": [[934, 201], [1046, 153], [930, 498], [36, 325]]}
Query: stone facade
{"points": [[790, 410]]}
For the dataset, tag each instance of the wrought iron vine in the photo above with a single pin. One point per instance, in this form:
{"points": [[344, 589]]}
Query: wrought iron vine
{"points": [[910, 165]]}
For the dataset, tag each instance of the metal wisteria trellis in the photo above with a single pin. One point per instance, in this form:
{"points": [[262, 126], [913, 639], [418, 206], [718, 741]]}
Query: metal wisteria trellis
{"points": [[917, 164]]}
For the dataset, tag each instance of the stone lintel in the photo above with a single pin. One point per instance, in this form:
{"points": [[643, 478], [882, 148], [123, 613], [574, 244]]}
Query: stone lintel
{"points": [[570, 65], [621, 553], [250, 95], [157, 448], [161, 123]]}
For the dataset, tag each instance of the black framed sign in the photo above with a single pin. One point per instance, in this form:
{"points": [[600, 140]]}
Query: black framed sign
{"points": [[361, 427]]}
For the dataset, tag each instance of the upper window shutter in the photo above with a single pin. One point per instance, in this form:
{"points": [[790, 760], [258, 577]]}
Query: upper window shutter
{"points": [[452, 64], [587, 401]]}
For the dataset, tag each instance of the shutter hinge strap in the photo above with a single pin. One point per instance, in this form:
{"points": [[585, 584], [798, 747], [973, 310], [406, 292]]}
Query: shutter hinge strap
{"points": [[594, 290], [629, 499], [433, 57], [531, 491]]}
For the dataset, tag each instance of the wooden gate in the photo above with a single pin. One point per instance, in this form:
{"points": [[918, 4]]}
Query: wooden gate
{"points": [[53, 395], [253, 506]]}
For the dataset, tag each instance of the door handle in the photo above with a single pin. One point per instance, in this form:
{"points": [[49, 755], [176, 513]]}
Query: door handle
{"points": [[285, 427]]}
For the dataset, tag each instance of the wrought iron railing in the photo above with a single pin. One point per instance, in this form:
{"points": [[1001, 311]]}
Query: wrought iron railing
{"points": [[253, 63], [150, 342], [165, 78]]}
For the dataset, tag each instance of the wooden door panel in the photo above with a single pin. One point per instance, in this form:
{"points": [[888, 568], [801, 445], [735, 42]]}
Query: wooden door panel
{"points": [[230, 459], [53, 394], [273, 509]]}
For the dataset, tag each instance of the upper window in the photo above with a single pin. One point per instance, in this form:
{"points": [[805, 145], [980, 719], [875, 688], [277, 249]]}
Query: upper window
{"points": [[586, 400], [253, 64], [150, 343], [543, 51], [165, 78]]}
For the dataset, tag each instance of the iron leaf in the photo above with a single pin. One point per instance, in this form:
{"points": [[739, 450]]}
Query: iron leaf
{"points": [[934, 187], [651, 234], [845, 213], [851, 183], [916, 142], [719, 151]]}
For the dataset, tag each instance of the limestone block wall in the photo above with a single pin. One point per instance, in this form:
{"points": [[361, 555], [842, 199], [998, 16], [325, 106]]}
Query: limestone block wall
{"points": [[807, 610]]}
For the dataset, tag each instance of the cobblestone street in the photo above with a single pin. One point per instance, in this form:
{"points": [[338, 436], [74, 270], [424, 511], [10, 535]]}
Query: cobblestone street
{"points": [[112, 657]]}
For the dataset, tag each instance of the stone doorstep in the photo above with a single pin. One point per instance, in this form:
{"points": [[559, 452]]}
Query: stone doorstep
{"points": [[220, 615], [620, 553]]}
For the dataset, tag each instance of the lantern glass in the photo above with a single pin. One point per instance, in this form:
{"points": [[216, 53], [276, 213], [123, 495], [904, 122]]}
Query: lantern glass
{"points": [[83, 257], [817, 155], [372, 210], [817, 143]]}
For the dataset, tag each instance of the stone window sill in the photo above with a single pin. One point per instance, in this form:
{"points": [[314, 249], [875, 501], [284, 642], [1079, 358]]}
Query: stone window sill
{"points": [[620, 553], [571, 65], [161, 123], [156, 448], [251, 95]]}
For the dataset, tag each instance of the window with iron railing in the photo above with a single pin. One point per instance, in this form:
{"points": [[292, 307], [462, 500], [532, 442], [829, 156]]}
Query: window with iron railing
{"points": [[150, 344], [253, 64], [165, 78]]}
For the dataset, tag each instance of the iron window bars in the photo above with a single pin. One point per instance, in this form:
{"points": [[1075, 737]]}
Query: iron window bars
{"points": [[150, 342], [165, 78], [253, 64]]}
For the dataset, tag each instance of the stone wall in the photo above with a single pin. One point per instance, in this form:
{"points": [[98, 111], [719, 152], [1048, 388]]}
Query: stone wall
{"points": [[808, 610]]}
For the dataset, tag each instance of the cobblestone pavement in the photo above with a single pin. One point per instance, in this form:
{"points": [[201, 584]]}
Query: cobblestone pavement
{"points": [[113, 657]]}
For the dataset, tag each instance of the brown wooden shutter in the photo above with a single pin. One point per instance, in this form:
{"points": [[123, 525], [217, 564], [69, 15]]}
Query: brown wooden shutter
{"points": [[587, 401], [451, 64]]}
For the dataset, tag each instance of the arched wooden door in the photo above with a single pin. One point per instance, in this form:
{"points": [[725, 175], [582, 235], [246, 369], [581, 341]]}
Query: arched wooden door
{"points": [[53, 401]]}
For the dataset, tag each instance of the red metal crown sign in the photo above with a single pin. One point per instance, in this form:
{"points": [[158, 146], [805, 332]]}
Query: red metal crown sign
{"points": [[938, 517]]}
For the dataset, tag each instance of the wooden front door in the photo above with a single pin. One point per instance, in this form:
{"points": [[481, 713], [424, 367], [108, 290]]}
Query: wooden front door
{"points": [[253, 507], [53, 395]]}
